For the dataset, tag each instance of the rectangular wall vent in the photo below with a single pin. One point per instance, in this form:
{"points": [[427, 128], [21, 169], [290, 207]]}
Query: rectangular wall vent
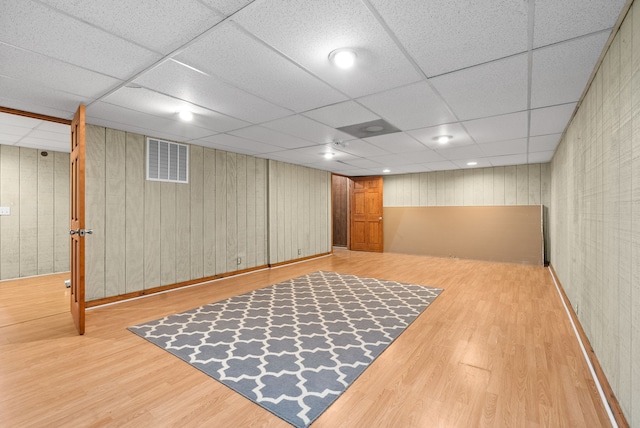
{"points": [[167, 161]]}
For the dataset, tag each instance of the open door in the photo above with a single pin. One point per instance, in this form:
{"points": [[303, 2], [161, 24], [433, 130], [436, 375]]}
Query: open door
{"points": [[77, 231], [366, 214]]}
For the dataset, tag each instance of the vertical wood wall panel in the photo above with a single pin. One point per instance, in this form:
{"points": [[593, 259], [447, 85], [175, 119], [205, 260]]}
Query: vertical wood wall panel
{"points": [[95, 204], [221, 212], [511, 185], [28, 212], [241, 177], [61, 212], [115, 212], [134, 212], [167, 233], [36, 189], [232, 213], [251, 236], [45, 208], [196, 213], [595, 214], [152, 234], [183, 234], [210, 212], [262, 231]]}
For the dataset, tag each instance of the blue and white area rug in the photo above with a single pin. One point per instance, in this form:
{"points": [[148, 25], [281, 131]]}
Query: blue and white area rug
{"points": [[293, 347]]}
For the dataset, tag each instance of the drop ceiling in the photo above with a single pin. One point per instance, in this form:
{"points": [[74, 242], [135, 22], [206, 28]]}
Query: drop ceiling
{"points": [[501, 77]]}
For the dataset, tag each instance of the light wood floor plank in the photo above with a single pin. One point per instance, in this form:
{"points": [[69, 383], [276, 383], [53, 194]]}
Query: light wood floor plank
{"points": [[494, 349]]}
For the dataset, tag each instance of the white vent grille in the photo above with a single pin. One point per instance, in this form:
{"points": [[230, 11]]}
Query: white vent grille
{"points": [[167, 161]]}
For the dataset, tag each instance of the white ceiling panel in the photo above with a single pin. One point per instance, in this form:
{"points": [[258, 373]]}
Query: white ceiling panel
{"points": [[330, 165], [166, 107], [365, 163], [511, 147], [32, 107], [33, 26], [54, 74], [410, 107], [52, 136], [540, 157], [275, 78], [342, 114], [425, 156], [551, 120], [477, 163], [307, 31], [9, 139], [441, 166], [396, 143], [507, 160], [362, 148], [447, 35], [269, 136], [360, 172], [308, 129], [227, 7], [154, 126], [393, 160], [14, 131], [485, 90], [465, 152], [429, 136], [560, 72], [236, 144], [498, 128], [139, 21], [28, 92], [189, 85], [544, 143], [561, 20], [45, 144]]}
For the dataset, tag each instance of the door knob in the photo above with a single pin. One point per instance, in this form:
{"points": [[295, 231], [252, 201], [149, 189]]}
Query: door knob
{"points": [[73, 232], [379, 218]]}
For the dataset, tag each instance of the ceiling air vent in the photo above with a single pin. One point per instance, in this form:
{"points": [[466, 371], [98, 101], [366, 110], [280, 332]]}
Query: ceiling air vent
{"points": [[369, 129], [167, 161]]}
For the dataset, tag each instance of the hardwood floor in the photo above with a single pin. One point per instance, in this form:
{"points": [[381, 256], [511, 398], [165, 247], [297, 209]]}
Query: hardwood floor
{"points": [[495, 349]]}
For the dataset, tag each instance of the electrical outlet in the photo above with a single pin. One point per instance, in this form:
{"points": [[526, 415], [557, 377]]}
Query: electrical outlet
{"points": [[5, 210], [239, 260], [299, 251]]}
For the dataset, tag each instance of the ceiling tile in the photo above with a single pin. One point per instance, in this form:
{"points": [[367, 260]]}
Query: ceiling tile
{"points": [[30, 25], [551, 120], [161, 26], [33, 107], [308, 129], [153, 126], [166, 107], [556, 21], [501, 148], [465, 152], [396, 143], [477, 163], [365, 163], [197, 88], [544, 143], [540, 157], [236, 144], [54, 137], [342, 114], [45, 144], [447, 35], [14, 131], [231, 54], [47, 72], [489, 89], [410, 107], [441, 166], [560, 72], [507, 160], [429, 136], [9, 139], [35, 95], [362, 148], [394, 160], [227, 7], [498, 128], [269, 136], [57, 128], [307, 31], [360, 172]]}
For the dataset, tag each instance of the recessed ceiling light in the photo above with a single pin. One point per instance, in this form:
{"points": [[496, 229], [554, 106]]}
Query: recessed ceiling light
{"points": [[472, 163], [386, 171], [329, 155], [443, 139], [185, 115], [343, 58]]}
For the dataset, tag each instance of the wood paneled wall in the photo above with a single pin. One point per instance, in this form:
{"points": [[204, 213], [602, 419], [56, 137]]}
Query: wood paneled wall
{"points": [[497, 186], [595, 216], [299, 211], [148, 233], [34, 239], [501, 185]]}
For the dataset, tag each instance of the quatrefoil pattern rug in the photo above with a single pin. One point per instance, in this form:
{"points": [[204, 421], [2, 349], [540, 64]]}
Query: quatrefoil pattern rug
{"points": [[293, 347]]}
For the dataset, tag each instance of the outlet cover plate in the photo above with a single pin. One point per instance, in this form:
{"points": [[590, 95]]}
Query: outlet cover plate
{"points": [[5, 210]]}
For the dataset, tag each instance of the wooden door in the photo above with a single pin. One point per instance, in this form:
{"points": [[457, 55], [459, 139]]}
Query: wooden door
{"points": [[366, 214], [77, 217]]}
